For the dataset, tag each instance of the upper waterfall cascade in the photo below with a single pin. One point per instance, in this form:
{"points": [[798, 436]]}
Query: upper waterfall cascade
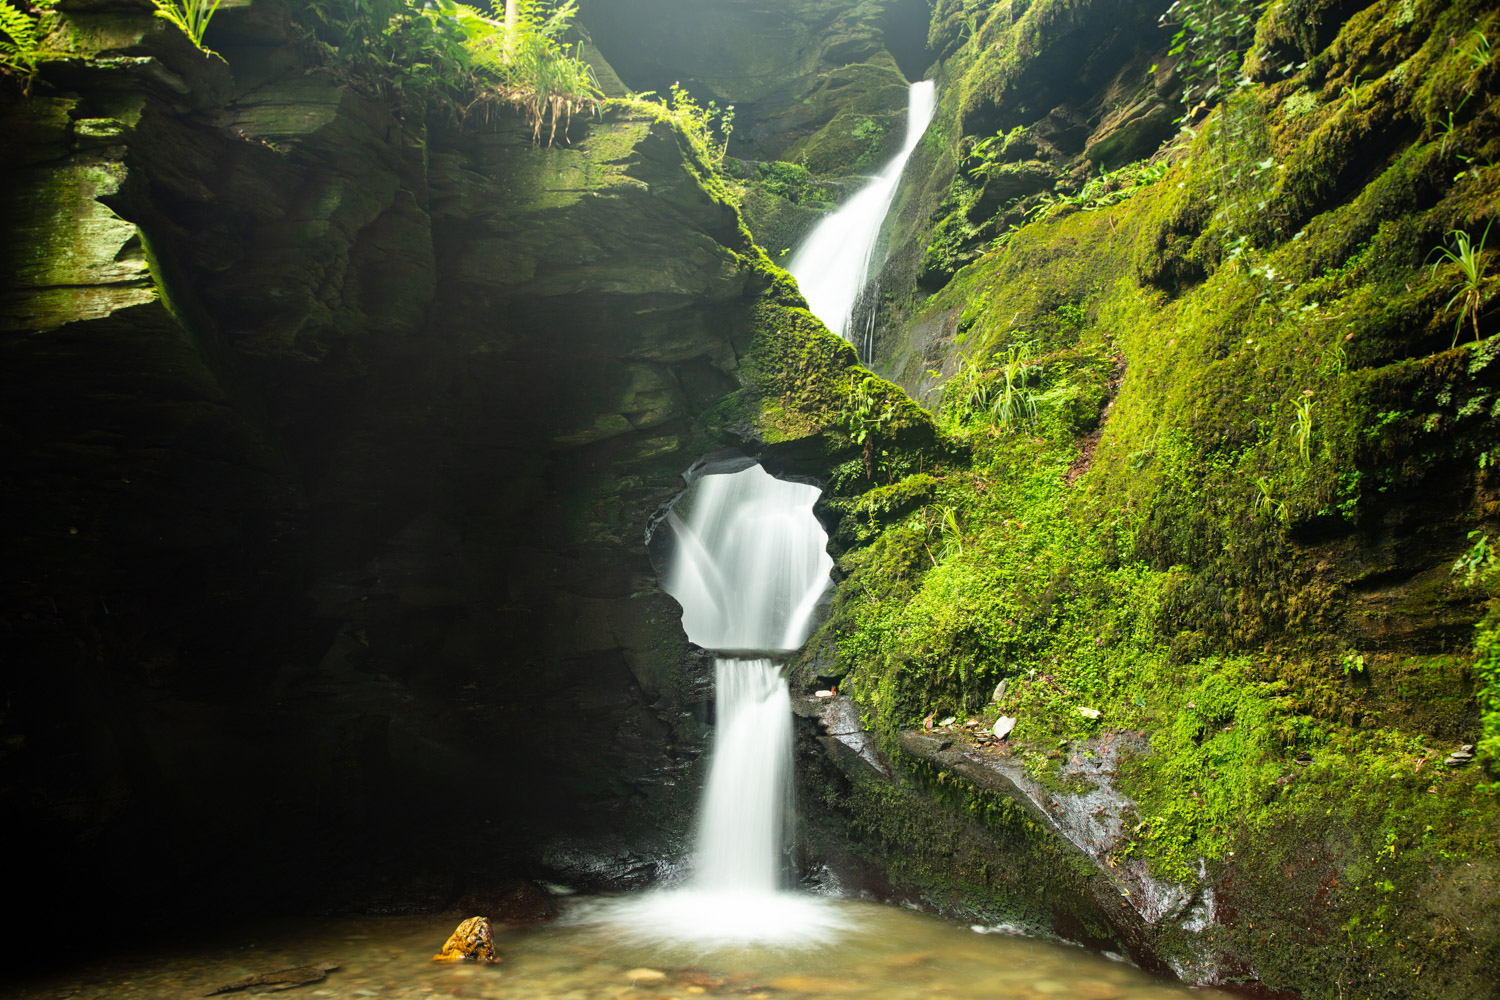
{"points": [[832, 266]]}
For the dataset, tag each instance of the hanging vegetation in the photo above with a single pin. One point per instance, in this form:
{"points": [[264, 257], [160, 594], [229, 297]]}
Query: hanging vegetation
{"points": [[452, 56], [524, 62]]}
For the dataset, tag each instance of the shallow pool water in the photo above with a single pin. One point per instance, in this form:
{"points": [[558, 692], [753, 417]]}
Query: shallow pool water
{"points": [[594, 953]]}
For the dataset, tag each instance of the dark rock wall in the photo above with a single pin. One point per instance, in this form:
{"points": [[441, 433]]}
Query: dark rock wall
{"points": [[818, 83], [332, 438]]}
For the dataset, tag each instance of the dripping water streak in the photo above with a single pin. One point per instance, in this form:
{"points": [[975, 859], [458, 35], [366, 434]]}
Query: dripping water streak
{"points": [[832, 265]]}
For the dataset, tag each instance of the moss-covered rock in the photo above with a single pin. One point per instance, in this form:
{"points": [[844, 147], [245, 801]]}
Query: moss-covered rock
{"points": [[1251, 557]]}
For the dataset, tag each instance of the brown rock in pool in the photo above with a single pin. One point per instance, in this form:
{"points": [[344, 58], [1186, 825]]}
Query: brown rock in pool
{"points": [[472, 942]]}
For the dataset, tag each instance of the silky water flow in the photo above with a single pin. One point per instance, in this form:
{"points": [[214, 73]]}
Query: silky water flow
{"points": [[748, 567], [832, 266]]}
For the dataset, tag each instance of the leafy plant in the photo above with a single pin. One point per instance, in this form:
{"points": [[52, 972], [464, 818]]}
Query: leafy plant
{"points": [[192, 16], [438, 54], [1014, 404], [1478, 562], [538, 74], [990, 151], [1480, 53], [700, 121], [1212, 38], [1468, 290], [20, 42], [862, 414], [949, 532], [1266, 503], [1302, 425]]}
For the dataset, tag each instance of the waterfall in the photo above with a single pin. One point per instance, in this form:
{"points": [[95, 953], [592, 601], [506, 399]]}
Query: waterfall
{"points": [[832, 266], [742, 819], [748, 568], [750, 563]]}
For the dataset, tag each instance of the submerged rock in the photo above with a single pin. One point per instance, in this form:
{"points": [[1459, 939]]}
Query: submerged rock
{"points": [[297, 975]]}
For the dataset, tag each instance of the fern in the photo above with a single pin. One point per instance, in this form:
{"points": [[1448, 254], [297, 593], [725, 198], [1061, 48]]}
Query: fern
{"points": [[20, 43], [192, 16], [535, 71]]}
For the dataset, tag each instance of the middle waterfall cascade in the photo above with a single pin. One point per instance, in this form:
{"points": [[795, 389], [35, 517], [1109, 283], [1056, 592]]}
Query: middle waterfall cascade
{"points": [[750, 563], [832, 266]]}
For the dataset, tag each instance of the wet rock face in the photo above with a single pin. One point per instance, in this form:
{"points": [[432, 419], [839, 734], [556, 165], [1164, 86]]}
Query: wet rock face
{"points": [[818, 83], [332, 438]]}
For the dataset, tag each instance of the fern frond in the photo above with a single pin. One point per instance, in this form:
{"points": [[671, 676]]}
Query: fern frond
{"points": [[21, 48]]}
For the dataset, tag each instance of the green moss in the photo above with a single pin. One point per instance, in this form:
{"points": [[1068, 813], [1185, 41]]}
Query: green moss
{"points": [[1216, 566], [856, 115], [1487, 695]]}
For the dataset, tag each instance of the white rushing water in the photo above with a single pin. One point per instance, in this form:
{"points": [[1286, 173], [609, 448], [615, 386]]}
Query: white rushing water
{"points": [[750, 564], [748, 567], [832, 266], [743, 817]]}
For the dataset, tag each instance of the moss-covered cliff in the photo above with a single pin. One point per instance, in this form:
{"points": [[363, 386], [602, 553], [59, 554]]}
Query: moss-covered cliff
{"points": [[335, 420], [1232, 482]]}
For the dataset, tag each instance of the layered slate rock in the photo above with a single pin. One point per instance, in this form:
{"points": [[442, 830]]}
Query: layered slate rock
{"points": [[334, 434], [816, 83]]}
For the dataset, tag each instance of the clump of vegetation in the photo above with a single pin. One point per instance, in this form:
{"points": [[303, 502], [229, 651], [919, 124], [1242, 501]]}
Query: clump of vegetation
{"points": [[790, 181], [192, 16], [447, 56], [1468, 263], [21, 40], [707, 125]]}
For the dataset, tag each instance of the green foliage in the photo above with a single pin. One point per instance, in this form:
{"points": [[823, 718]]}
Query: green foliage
{"points": [[1302, 425], [442, 55], [700, 122], [865, 412], [790, 181], [1105, 190], [1468, 280], [1211, 40], [1013, 404], [20, 40], [536, 70], [990, 152], [1478, 50], [1478, 562], [1487, 689], [191, 16]]}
